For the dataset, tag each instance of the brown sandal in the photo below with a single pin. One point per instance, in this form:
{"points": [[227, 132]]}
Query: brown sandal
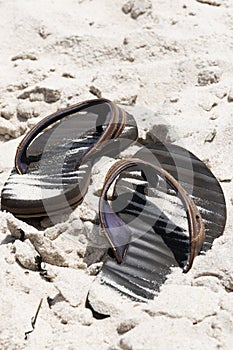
{"points": [[53, 161], [166, 207], [145, 238]]}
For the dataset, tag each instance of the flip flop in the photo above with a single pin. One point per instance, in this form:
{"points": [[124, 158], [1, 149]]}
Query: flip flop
{"points": [[53, 161], [166, 207]]}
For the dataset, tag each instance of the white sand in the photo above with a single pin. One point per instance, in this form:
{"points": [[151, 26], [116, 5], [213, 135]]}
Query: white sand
{"points": [[176, 59]]}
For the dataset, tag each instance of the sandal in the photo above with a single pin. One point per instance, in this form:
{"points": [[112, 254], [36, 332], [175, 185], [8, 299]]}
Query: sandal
{"points": [[53, 161], [164, 210]]}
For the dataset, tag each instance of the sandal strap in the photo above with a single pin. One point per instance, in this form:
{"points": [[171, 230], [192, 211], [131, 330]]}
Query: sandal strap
{"points": [[116, 125], [122, 233]]}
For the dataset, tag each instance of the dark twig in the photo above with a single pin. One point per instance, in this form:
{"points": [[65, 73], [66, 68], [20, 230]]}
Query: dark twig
{"points": [[33, 320]]}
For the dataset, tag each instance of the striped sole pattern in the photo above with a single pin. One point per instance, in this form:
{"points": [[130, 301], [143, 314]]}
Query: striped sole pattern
{"points": [[48, 177], [158, 221]]}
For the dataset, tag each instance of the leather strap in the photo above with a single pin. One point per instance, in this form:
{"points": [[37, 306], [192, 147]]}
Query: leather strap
{"points": [[114, 128], [121, 232]]}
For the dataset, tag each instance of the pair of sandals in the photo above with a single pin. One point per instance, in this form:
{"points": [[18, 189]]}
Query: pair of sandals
{"points": [[165, 204]]}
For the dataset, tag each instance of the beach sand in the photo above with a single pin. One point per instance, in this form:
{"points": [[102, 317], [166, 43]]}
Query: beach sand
{"points": [[170, 63]]}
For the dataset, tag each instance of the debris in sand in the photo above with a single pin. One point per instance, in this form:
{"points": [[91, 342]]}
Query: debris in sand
{"points": [[25, 56], [95, 91], [210, 2], [208, 76], [210, 137], [225, 179], [127, 7], [136, 8], [127, 325], [41, 93], [128, 100], [43, 32], [68, 75], [33, 321]]}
